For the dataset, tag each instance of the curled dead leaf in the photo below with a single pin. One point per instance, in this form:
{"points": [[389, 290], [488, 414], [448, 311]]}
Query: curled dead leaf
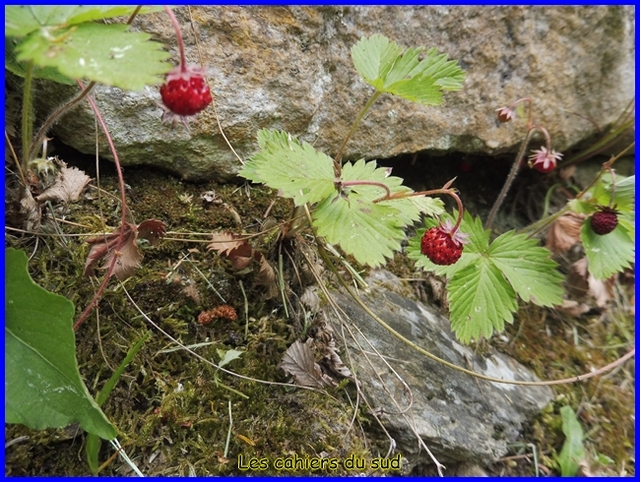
{"points": [[69, 184], [565, 232], [238, 251], [128, 255], [266, 276], [298, 361]]}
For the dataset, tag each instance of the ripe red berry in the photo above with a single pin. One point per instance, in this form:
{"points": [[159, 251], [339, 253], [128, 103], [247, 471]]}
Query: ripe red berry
{"points": [[185, 92], [604, 221], [440, 246]]}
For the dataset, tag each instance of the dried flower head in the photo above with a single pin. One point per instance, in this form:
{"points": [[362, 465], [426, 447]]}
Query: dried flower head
{"points": [[505, 114], [543, 160]]}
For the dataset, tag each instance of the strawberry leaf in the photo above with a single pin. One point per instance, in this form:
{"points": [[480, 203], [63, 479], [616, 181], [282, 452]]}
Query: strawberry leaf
{"points": [[295, 169], [368, 231], [528, 267], [109, 54], [483, 284], [480, 301], [24, 19], [396, 70], [608, 254]]}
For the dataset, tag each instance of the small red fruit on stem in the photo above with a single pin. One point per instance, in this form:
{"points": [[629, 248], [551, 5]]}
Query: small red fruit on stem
{"points": [[604, 221], [442, 245], [185, 91]]}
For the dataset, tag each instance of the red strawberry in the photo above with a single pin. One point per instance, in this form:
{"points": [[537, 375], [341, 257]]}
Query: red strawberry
{"points": [[442, 246], [185, 92], [604, 221]]}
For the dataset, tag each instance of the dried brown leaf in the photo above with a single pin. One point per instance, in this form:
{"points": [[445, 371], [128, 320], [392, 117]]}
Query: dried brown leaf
{"points": [[152, 230], [104, 248], [601, 290], [565, 232], [573, 308], [326, 344], [266, 276], [69, 184], [298, 361], [225, 242], [30, 212], [238, 251]]}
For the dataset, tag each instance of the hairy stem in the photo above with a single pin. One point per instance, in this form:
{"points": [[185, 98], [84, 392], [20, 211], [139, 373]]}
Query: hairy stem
{"points": [[27, 125], [176, 27], [514, 171], [123, 219], [337, 166], [55, 116]]}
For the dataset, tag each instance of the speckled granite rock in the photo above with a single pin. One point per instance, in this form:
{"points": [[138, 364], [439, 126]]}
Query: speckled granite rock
{"points": [[290, 68]]}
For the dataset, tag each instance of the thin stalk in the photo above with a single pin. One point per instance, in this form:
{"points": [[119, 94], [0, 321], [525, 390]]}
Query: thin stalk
{"points": [[176, 27], [512, 175], [123, 219], [27, 125], [337, 167], [55, 116]]}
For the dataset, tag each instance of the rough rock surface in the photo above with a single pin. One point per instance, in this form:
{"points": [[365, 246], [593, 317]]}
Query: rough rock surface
{"points": [[460, 418], [290, 68]]}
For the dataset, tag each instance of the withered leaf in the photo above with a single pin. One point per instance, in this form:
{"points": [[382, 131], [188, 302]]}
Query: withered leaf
{"points": [[152, 230], [601, 290], [565, 232], [129, 255], [69, 184], [238, 251], [298, 361], [266, 276], [326, 344]]}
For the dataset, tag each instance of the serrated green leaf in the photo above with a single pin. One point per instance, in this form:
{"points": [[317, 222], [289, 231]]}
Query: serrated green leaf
{"points": [[373, 57], [623, 195], [409, 209], [24, 19], [42, 381], [608, 254], [295, 169], [528, 267], [393, 69], [17, 68], [573, 453], [103, 53], [368, 231], [480, 301]]}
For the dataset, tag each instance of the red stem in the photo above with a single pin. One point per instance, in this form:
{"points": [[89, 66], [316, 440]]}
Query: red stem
{"points": [[402, 195], [176, 27], [123, 220]]}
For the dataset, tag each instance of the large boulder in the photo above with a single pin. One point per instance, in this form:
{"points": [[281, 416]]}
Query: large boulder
{"points": [[461, 419], [290, 68]]}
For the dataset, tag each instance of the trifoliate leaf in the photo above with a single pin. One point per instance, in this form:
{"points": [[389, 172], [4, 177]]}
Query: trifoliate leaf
{"points": [[480, 301], [528, 267], [368, 231], [24, 19], [391, 68], [573, 453], [608, 254], [295, 169], [484, 282], [109, 54], [42, 381]]}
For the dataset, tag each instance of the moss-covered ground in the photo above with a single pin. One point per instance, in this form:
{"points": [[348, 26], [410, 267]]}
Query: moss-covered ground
{"points": [[178, 415]]}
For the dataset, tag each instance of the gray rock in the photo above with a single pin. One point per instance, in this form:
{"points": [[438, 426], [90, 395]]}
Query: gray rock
{"points": [[461, 419], [290, 68]]}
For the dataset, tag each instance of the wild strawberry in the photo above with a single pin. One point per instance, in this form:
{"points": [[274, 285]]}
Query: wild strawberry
{"points": [[441, 245], [185, 92], [604, 221], [543, 160]]}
